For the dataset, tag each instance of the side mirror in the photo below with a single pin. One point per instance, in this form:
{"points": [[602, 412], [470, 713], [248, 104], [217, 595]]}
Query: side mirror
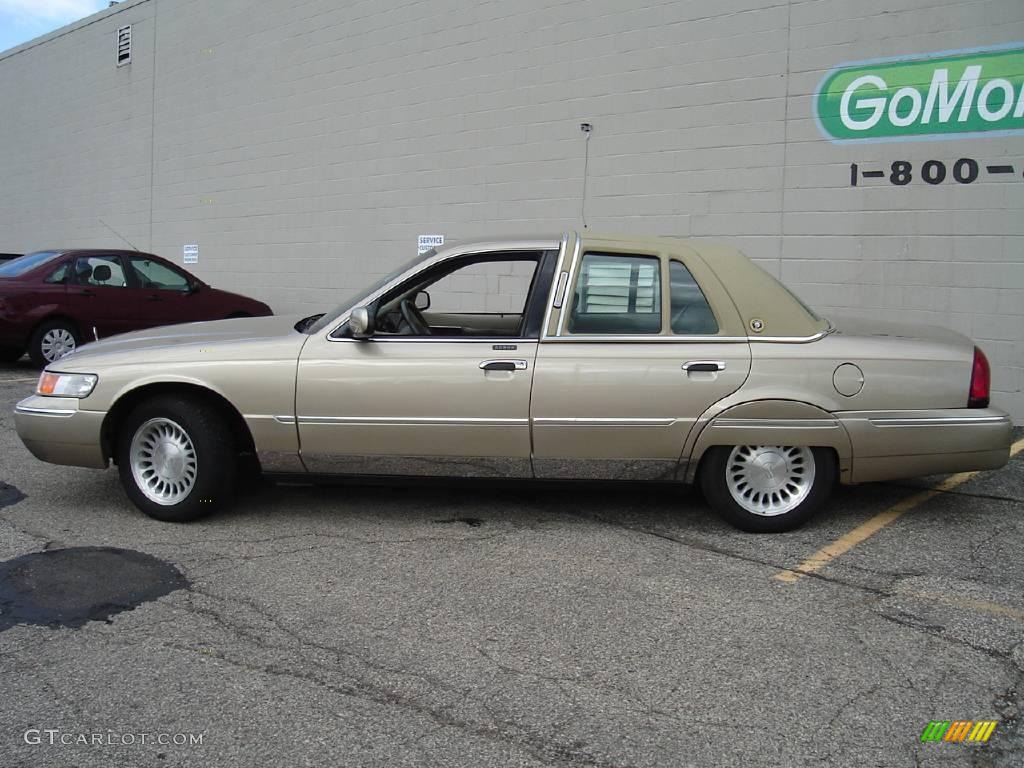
{"points": [[194, 286], [422, 300], [360, 323]]}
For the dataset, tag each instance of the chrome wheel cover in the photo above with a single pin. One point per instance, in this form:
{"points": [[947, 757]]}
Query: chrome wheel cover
{"points": [[163, 461], [56, 343], [770, 480]]}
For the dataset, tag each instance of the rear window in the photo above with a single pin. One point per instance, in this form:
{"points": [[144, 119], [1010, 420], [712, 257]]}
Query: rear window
{"points": [[26, 263]]}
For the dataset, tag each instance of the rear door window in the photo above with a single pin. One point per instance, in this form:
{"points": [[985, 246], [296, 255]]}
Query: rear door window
{"points": [[617, 294], [101, 271]]}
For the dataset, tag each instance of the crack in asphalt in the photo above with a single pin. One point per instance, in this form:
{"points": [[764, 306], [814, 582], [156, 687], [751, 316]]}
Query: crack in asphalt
{"points": [[240, 561], [1009, 739], [536, 745], [932, 630], [954, 492]]}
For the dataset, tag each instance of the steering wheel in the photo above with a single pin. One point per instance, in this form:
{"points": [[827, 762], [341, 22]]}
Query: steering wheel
{"points": [[413, 318]]}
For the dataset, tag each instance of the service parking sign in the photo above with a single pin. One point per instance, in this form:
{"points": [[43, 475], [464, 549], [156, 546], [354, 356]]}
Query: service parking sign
{"points": [[426, 242]]}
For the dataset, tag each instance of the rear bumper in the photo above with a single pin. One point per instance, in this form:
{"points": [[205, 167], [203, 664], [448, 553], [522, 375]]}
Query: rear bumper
{"points": [[890, 445], [55, 430]]}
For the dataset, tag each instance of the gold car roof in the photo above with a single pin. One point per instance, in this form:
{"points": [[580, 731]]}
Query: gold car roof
{"points": [[767, 307]]}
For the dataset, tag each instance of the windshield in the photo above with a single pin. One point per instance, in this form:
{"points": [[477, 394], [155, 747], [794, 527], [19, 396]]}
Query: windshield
{"points": [[350, 302], [23, 264]]}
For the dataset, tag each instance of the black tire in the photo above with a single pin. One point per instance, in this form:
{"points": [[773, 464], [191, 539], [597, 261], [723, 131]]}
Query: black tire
{"points": [[714, 481], [216, 457], [35, 344], [11, 354]]}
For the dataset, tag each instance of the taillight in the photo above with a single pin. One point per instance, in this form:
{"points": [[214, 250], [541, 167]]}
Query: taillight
{"points": [[981, 381]]}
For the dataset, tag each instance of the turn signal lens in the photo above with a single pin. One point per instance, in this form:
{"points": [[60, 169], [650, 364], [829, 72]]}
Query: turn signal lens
{"points": [[981, 381], [66, 384]]}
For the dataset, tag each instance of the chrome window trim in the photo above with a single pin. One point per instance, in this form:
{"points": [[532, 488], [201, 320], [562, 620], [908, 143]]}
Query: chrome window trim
{"points": [[563, 283], [563, 248], [446, 255], [650, 339], [57, 413], [569, 283], [446, 339], [705, 339]]}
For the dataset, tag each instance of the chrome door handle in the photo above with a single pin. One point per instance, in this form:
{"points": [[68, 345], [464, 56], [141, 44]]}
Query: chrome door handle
{"points": [[503, 365], [709, 366]]}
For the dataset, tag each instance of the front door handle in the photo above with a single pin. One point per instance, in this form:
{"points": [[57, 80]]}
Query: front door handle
{"points": [[503, 365], [85, 292], [707, 366]]}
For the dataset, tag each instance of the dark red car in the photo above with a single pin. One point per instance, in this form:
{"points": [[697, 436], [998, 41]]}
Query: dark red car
{"points": [[51, 301]]}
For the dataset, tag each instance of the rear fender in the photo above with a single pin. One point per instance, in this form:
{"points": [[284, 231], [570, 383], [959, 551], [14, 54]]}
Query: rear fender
{"points": [[769, 422]]}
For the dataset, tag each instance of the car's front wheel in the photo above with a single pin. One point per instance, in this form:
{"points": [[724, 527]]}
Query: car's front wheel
{"points": [[176, 458], [767, 488], [51, 341]]}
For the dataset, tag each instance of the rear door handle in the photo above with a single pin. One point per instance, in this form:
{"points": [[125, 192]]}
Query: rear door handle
{"points": [[503, 365], [708, 366]]}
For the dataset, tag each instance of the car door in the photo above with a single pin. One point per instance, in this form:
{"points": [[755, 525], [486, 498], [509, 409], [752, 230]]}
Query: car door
{"points": [[644, 342], [102, 297], [166, 292], [450, 399]]}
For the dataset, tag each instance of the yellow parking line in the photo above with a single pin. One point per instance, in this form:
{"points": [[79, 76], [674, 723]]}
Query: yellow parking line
{"points": [[869, 528]]}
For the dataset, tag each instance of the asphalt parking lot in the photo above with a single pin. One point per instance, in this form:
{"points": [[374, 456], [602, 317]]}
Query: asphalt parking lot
{"points": [[582, 625]]}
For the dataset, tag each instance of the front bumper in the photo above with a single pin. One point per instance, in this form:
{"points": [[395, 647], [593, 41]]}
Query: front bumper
{"points": [[55, 430], [890, 445]]}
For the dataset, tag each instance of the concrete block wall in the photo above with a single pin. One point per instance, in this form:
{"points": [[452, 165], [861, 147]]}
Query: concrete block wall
{"points": [[304, 145]]}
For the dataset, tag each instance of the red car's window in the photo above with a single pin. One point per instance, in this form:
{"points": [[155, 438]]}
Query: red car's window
{"points": [[152, 274], [103, 271], [60, 274]]}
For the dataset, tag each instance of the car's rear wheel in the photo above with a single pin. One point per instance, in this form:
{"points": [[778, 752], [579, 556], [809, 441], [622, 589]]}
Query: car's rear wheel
{"points": [[767, 488], [51, 341], [176, 458], [11, 354]]}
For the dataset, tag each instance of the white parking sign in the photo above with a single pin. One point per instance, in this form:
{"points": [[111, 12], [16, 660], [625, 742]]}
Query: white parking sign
{"points": [[426, 242]]}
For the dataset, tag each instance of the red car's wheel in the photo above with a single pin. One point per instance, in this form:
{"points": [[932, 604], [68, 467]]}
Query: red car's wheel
{"points": [[51, 341]]}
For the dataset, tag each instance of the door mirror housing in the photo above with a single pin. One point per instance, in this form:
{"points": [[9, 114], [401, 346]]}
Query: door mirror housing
{"points": [[360, 323], [422, 300]]}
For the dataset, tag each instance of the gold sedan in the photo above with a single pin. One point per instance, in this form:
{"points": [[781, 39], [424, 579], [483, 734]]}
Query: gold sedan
{"points": [[570, 357]]}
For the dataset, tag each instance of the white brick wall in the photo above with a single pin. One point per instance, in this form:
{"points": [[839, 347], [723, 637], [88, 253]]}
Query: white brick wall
{"points": [[326, 136]]}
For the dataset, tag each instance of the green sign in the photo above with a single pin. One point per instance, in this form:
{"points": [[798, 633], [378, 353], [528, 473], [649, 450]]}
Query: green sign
{"points": [[948, 95]]}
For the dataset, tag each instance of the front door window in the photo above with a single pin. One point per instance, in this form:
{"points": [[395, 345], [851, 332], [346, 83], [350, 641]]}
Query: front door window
{"points": [[484, 296]]}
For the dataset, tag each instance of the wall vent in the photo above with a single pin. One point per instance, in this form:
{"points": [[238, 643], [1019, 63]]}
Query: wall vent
{"points": [[124, 45]]}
